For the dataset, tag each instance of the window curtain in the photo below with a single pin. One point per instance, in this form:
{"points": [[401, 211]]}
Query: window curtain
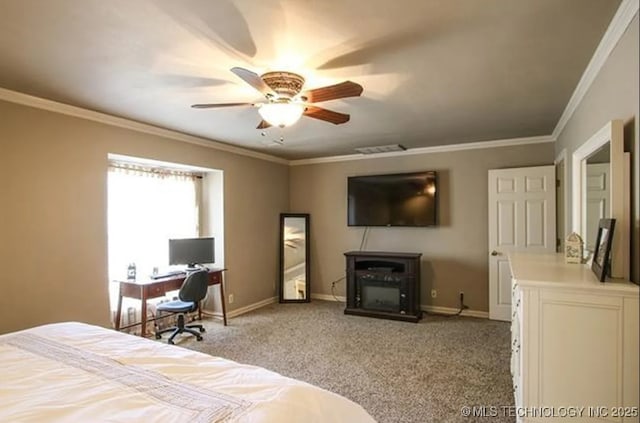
{"points": [[146, 207]]}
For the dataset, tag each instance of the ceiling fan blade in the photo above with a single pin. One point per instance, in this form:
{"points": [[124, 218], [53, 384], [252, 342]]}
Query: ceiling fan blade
{"points": [[332, 92], [218, 105], [254, 80], [263, 124], [326, 115]]}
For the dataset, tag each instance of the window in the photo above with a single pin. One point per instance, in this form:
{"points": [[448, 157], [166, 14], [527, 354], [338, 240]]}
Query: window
{"points": [[146, 207]]}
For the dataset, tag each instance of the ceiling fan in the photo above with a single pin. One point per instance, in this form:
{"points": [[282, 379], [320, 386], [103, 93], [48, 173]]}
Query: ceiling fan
{"points": [[286, 102]]}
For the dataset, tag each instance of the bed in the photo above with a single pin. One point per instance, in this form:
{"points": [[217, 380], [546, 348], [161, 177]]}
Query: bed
{"points": [[74, 372]]}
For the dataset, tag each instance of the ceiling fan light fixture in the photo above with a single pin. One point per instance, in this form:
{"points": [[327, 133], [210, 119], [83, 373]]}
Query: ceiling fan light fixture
{"points": [[286, 102], [281, 114]]}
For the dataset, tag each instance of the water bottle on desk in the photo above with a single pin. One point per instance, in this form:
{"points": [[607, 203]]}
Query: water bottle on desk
{"points": [[131, 272]]}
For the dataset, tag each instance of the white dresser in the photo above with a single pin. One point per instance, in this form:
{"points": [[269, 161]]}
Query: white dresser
{"points": [[574, 341]]}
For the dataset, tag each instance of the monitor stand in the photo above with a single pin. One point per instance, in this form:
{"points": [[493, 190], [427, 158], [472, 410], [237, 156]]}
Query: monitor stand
{"points": [[192, 267]]}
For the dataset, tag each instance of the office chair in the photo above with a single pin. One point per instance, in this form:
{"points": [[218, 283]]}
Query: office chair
{"points": [[193, 290]]}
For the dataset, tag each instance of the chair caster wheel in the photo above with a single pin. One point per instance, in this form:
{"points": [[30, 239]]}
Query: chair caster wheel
{"points": [[170, 342], [158, 336], [199, 338], [202, 330]]}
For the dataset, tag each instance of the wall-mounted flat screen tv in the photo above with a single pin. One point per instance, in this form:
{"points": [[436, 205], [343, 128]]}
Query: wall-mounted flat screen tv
{"points": [[407, 199]]}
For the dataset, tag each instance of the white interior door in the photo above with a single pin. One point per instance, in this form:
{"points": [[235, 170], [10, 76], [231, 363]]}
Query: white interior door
{"points": [[522, 213]]}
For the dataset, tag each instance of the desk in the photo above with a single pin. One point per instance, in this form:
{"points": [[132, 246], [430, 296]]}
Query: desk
{"points": [[154, 288]]}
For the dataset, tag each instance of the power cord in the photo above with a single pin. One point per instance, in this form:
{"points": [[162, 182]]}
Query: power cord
{"points": [[430, 313], [333, 287], [364, 236], [363, 242], [463, 306]]}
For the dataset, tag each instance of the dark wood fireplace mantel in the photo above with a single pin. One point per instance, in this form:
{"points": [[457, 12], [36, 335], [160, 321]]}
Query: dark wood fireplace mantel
{"points": [[384, 285]]}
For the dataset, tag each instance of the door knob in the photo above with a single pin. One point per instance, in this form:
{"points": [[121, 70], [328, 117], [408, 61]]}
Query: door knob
{"points": [[495, 253]]}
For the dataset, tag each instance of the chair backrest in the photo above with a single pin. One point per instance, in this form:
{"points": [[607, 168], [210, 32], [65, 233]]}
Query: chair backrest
{"points": [[194, 287]]}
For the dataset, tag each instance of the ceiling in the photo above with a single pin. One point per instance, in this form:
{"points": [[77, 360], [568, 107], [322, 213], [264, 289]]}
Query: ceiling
{"points": [[434, 72]]}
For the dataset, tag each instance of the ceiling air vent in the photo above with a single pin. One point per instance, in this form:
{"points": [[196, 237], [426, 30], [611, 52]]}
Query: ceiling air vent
{"points": [[381, 149]]}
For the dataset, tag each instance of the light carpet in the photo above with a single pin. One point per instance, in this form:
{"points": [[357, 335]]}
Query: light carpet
{"points": [[398, 371]]}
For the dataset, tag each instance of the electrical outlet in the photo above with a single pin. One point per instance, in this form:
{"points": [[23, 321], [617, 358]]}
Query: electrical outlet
{"points": [[230, 298], [434, 293]]}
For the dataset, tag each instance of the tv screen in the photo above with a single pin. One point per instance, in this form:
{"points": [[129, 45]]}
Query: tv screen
{"points": [[191, 251], [407, 199]]}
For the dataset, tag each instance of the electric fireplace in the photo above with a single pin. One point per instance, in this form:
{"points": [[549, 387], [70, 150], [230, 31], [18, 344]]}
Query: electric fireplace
{"points": [[384, 285]]}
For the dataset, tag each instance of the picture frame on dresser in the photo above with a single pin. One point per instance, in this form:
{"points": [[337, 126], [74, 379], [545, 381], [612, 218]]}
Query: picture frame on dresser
{"points": [[600, 264]]}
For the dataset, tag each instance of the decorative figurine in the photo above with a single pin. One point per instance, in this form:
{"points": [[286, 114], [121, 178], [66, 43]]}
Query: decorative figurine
{"points": [[131, 272], [573, 248]]}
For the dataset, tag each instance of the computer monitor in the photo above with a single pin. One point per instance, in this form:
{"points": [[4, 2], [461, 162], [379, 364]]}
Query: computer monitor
{"points": [[191, 251]]}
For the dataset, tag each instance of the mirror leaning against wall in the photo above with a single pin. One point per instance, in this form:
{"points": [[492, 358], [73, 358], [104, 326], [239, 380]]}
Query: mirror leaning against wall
{"points": [[597, 198], [294, 258], [601, 189]]}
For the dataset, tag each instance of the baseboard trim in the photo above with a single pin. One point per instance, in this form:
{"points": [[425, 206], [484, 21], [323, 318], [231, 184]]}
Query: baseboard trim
{"points": [[427, 308], [242, 310], [449, 310], [251, 307], [328, 297]]}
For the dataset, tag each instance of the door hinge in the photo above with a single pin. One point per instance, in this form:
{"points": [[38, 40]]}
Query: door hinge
{"points": [[557, 183]]}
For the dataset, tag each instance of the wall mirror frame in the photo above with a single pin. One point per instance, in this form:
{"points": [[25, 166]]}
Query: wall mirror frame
{"points": [[295, 284], [618, 206]]}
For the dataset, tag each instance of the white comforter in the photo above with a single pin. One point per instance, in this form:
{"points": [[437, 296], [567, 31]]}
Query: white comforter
{"points": [[73, 372]]}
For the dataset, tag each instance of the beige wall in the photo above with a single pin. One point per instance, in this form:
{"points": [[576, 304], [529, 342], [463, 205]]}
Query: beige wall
{"points": [[53, 235], [455, 254], [613, 95], [53, 238]]}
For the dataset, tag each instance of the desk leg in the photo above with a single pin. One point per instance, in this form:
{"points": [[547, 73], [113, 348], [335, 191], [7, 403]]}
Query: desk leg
{"points": [[119, 311], [143, 330], [224, 308]]}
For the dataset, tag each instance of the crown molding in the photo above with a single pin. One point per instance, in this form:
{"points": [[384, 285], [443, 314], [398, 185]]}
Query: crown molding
{"points": [[617, 27], [79, 112], [428, 150]]}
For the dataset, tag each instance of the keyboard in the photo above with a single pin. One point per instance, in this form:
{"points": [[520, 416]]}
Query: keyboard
{"points": [[168, 274]]}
